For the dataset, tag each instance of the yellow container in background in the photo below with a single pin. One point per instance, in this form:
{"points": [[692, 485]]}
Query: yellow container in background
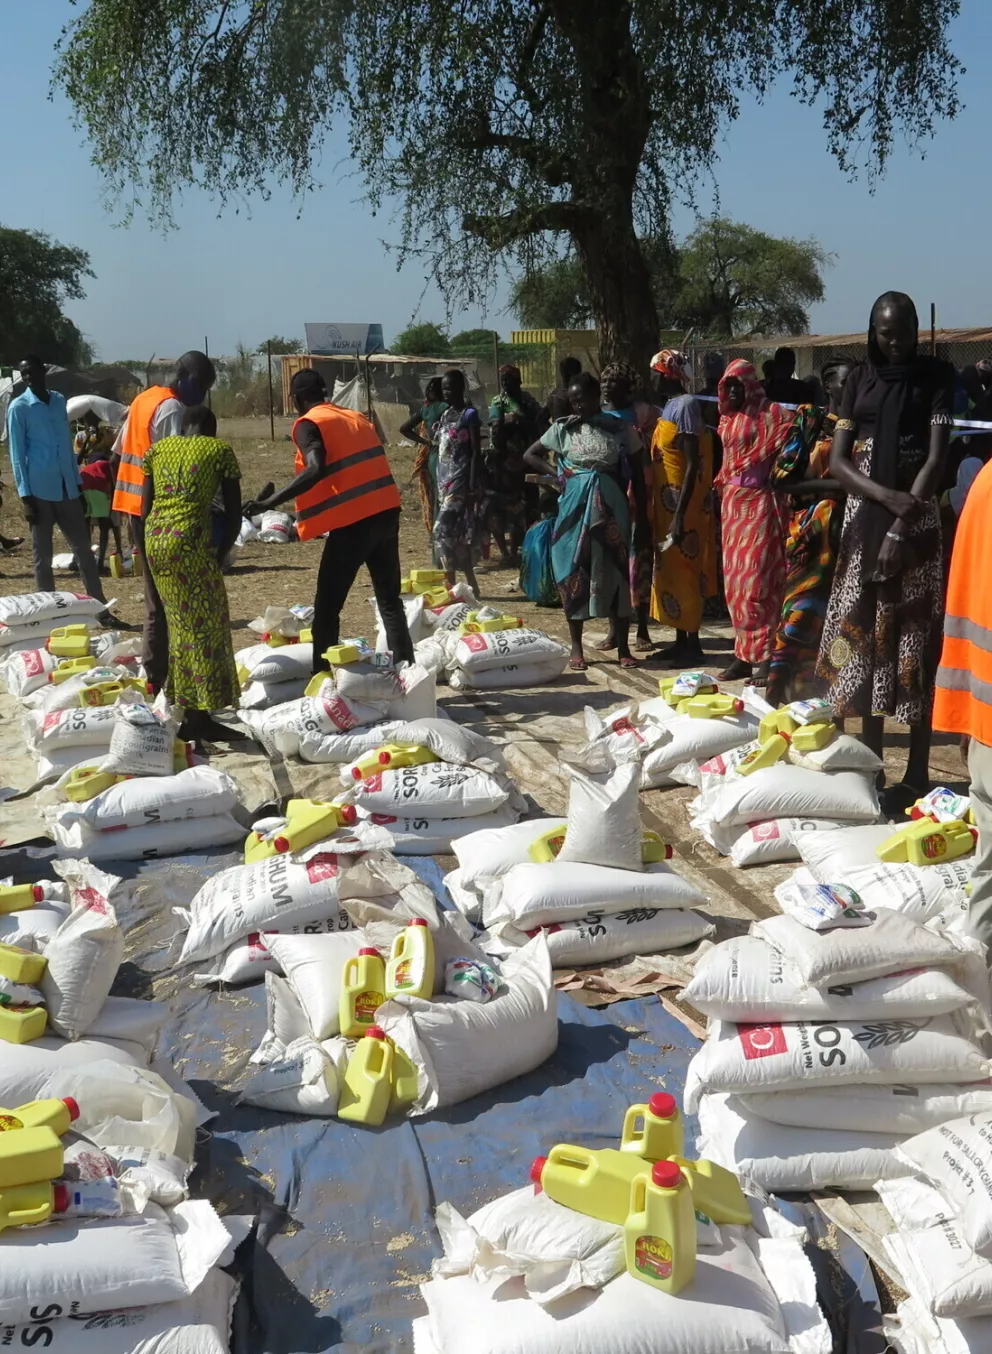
{"points": [[21, 1024], [654, 1132], [30, 1155], [17, 897], [21, 966], [363, 990], [366, 1089], [410, 971], [715, 1192], [26, 1205], [590, 1182]]}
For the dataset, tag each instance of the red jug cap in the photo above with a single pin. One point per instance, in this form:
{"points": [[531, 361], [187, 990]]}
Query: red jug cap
{"points": [[375, 1032], [349, 813], [38, 893], [72, 1106], [370, 949], [281, 844], [60, 1196], [666, 1174], [356, 774], [419, 921], [537, 1169], [663, 1106], [385, 758]]}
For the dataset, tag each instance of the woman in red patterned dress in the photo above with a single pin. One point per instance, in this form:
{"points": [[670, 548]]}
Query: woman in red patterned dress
{"points": [[753, 431]]}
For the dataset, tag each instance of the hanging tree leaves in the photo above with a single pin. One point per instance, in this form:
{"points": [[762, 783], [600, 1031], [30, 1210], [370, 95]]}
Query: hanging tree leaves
{"points": [[504, 127]]}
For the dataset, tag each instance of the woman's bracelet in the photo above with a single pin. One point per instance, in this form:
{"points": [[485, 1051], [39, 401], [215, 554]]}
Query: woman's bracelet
{"points": [[895, 536]]}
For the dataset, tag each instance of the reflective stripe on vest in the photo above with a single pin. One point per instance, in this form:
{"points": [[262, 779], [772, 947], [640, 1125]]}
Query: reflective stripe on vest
{"points": [[356, 483], [137, 439], [963, 699]]}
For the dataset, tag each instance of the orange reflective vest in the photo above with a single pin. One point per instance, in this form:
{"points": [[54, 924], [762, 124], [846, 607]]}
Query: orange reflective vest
{"points": [[137, 440], [963, 700], [356, 483]]}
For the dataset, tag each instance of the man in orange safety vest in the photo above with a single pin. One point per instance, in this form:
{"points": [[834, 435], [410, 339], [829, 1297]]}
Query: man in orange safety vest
{"points": [[963, 700], [344, 487]]}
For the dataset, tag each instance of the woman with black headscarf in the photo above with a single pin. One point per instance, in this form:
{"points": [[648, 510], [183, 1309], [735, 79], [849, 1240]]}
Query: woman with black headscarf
{"points": [[882, 633]]}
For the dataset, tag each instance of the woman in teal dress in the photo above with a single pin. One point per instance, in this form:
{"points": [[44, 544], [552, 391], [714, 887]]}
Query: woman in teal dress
{"points": [[597, 455], [182, 475]]}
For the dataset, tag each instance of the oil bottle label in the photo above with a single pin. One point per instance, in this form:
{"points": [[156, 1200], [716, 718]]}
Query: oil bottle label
{"points": [[366, 1005], [556, 842], [404, 974], [934, 847], [8, 1121], [653, 1257]]}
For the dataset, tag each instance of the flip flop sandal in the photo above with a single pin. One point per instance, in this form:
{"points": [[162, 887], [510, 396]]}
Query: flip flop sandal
{"points": [[629, 662], [578, 665]]}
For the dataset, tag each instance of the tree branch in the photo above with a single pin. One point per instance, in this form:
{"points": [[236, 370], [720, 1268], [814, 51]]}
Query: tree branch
{"points": [[500, 231]]}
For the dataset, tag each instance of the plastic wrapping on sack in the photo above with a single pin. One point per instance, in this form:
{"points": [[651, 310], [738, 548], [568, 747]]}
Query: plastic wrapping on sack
{"points": [[142, 739], [694, 740], [314, 968], [791, 1160], [488, 854], [302, 1079], [749, 1059], [788, 791], [276, 528], [452, 743], [287, 621], [843, 753], [604, 818], [957, 1159], [26, 1069], [431, 790], [901, 1109], [514, 676], [84, 954], [197, 792], [85, 726], [437, 836], [540, 895], [414, 609], [829, 855], [775, 840], [264, 695], [745, 979], [555, 1250], [260, 663], [628, 734]]}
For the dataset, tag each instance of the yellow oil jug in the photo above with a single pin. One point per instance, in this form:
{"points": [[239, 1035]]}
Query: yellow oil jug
{"points": [[391, 757], [26, 1205], [590, 1182], [654, 1132], [29, 1155], [660, 1229], [715, 1191], [406, 586], [137, 566], [653, 849], [472, 626], [277, 641], [182, 756], [71, 667], [766, 754], [21, 966], [714, 706], [340, 655], [432, 577], [366, 1089], [69, 641], [57, 1115], [547, 847], [813, 737], [405, 1084], [116, 565], [779, 721], [312, 687], [928, 843], [307, 821], [363, 990], [410, 971], [18, 897], [86, 782], [21, 1024], [676, 689], [306, 635], [433, 597]]}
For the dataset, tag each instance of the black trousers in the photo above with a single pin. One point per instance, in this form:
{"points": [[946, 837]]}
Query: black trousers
{"points": [[374, 542]]}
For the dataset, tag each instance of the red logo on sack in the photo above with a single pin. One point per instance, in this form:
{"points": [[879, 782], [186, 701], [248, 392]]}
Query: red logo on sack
{"points": [[765, 832], [53, 720], [34, 662], [475, 643], [621, 726], [716, 766], [256, 948], [90, 899], [339, 713], [383, 819], [322, 867], [373, 782], [761, 1041]]}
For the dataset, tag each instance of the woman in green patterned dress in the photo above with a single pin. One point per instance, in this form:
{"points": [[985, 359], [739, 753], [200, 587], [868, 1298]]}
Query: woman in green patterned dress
{"points": [[182, 475]]}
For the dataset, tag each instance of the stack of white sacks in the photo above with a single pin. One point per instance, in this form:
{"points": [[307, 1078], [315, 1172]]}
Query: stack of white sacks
{"points": [[297, 919], [272, 673], [129, 1238], [582, 881], [516, 656], [827, 1048], [27, 619]]}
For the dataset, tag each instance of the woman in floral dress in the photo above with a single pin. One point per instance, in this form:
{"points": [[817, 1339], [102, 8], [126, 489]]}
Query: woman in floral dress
{"points": [[182, 475]]}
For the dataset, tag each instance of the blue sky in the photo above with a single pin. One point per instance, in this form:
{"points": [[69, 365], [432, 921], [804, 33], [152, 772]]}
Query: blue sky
{"points": [[234, 276]]}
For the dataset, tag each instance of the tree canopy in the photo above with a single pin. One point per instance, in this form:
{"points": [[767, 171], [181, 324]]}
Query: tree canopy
{"points": [[504, 127], [38, 275], [278, 344], [725, 280], [474, 340], [422, 340]]}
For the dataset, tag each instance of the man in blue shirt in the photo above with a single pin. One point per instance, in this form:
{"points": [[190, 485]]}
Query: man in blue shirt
{"points": [[47, 477]]}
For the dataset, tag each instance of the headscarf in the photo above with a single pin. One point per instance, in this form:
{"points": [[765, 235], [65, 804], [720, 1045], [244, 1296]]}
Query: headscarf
{"points": [[620, 371], [508, 369], [753, 435], [897, 392], [673, 364]]}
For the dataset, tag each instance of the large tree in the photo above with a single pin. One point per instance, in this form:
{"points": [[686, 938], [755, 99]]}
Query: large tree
{"points": [[727, 279], [422, 340], [38, 275], [503, 125]]}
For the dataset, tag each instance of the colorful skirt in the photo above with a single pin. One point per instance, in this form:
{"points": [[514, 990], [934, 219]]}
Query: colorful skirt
{"points": [[753, 567]]}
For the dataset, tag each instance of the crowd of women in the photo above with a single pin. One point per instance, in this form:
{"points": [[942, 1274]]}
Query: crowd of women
{"points": [[819, 524]]}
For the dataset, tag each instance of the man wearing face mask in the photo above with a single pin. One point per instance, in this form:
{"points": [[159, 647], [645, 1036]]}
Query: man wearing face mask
{"points": [[153, 415]]}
